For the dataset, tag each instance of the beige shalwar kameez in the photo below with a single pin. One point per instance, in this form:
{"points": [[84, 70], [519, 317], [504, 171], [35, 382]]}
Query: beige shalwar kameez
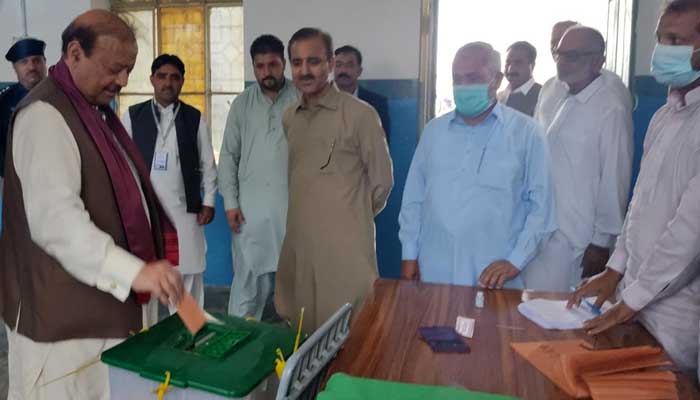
{"points": [[340, 176]]}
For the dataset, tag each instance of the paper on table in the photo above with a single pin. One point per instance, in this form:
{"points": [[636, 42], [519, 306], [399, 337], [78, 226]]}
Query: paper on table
{"points": [[553, 314], [465, 326], [191, 314]]}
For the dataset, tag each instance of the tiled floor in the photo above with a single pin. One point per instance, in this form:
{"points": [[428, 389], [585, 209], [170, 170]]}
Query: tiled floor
{"points": [[215, 300]]}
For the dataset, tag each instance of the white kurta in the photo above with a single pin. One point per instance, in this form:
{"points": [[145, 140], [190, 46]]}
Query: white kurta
{"points": [[554, 89], [170, 187], [48, 164], [659, 246], [590, 143]]}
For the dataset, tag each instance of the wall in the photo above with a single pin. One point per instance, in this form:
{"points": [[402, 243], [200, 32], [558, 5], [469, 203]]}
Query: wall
{"points": [[46, 19], [649, 95], [645, 29], [387, 33]]}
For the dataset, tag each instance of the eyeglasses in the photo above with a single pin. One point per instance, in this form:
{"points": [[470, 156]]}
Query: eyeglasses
{"points": [[572, 55]]}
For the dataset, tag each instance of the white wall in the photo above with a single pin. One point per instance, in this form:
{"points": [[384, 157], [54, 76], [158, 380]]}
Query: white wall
{"points": [[386, 32], [46, 19], [647, 17]]}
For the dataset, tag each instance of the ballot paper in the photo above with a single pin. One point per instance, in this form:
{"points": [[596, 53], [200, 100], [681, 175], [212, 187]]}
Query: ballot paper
{"points": [[191, 314], [553, 314]]}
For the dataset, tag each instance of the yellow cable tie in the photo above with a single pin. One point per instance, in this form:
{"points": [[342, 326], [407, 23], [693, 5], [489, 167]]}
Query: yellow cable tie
{"points": [[279, 363], [298, 338], [75, 372], [163, 387]]}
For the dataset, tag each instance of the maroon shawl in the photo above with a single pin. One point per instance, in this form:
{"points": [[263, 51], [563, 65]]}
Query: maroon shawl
{"points": [[133, 215]]}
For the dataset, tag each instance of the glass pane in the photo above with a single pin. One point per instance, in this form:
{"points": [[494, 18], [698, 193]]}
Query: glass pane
{"points": [[118, 3], [182, 33], [226, 52], [220, 105], [197, 101], [142, 23], [125, 101]]}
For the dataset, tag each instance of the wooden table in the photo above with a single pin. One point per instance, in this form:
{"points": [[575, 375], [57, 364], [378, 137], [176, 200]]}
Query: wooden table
{"points": [[384, 341]]}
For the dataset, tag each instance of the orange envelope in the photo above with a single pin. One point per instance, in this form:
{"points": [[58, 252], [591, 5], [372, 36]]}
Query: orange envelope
{"points": [[546, 357], [643, 385], [602, 362], [191, 314], [568, 363]]}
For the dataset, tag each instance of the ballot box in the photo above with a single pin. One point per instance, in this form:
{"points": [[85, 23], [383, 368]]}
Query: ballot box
{"points": [[234, 359]]}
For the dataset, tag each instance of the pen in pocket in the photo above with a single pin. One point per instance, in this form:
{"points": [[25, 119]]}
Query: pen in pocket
{"points": [[330, 154]]}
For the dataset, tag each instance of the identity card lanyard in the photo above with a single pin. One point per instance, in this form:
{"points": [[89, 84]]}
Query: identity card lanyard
{"points": [[155, 119]]}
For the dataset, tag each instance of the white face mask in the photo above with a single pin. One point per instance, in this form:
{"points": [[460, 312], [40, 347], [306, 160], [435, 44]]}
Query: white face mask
{"points": [[672, 65]]}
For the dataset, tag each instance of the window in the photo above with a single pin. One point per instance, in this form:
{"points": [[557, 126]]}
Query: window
{"points": [[207, 35], [621, 17], [514, 20]]}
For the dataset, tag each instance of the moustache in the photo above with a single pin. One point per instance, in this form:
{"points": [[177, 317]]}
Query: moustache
{"points": [[344, 76], [308, 77]]}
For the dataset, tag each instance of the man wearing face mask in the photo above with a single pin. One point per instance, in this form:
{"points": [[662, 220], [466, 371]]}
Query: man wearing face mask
{"points": [[29, 63], [176, 145], [554, 89], [478, 199], [654, 271], [340, 176], [522, 91], [253, 179], [590, 143]]}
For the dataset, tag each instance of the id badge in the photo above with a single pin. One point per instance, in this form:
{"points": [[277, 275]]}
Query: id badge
{"points": [[160, 161]]}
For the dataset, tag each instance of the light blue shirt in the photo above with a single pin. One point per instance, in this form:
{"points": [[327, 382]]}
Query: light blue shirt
{"points": [[475, 195]]}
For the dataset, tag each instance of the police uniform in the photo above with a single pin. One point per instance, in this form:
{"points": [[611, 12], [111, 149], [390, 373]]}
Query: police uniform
{"points": [[10, 96]]}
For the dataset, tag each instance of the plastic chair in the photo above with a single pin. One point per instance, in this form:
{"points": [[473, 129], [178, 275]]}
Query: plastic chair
{"points": [[306, 368]]}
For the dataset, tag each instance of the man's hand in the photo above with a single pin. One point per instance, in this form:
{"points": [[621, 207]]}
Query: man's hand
{"points": [[205, 216], [594, 260], [497, 274], [410, 270], [161, 280], [235, 219], [602, 286], [619, 314]]}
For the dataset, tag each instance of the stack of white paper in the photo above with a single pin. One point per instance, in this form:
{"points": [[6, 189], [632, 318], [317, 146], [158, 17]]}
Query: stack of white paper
{"points": [[552, 314]]}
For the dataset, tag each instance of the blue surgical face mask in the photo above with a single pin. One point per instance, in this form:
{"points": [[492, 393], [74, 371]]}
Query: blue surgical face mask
{"points": [[471, 100], [671, 65]]}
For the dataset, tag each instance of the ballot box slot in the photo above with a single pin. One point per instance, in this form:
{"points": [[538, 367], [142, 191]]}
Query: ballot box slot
{"points": [[212, 340]]}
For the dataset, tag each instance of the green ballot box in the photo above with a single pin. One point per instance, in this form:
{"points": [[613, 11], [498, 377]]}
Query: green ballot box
{"points": [[234, 359], [345, 387]]}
